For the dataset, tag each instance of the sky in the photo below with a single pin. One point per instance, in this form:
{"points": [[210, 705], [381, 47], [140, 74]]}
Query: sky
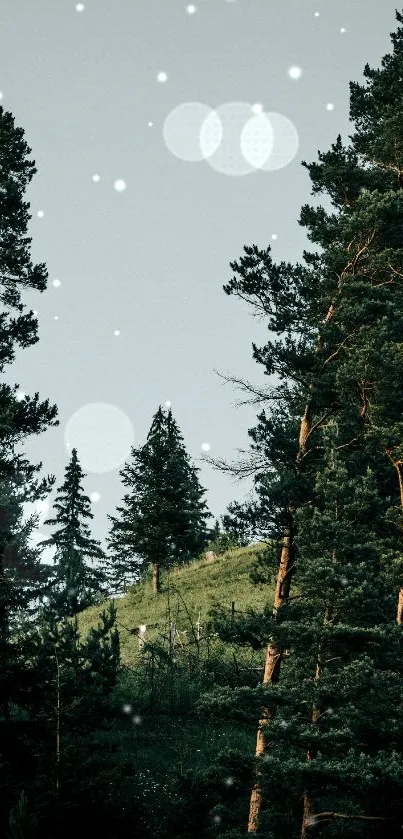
{"points": [[166, 137]]}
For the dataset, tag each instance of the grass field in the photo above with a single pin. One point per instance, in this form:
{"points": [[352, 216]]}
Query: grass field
{"points": [[187, 595]]}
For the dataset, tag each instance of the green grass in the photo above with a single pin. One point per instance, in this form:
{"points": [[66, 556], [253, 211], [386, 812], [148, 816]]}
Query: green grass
{"points": [[187, 594]]}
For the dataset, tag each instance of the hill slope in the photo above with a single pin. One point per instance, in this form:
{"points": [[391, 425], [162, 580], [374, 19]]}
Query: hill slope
{"points": [[187, 595]]}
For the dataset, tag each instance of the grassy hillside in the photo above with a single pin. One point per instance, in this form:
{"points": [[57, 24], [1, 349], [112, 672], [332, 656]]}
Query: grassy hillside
{"points": [[187, 595], [158, 735]]}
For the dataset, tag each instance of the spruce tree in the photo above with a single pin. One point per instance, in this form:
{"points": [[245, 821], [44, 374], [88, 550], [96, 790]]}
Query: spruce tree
{"points": [[76, 583], [19, 418], [163, 520], [21, 574]]}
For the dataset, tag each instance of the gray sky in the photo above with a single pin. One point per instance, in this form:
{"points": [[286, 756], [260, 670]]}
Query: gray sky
{"points": [[149, 261]]}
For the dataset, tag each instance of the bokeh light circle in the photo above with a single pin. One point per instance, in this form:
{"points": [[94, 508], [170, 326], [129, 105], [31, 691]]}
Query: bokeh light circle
{"points": [[286, 142], [102, 434], [181, 131], [228, 158], [257, 140]]}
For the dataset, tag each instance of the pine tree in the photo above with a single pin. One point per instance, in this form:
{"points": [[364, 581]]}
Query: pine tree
{"points": [[348, 330], [163, 520], [21, 575], [76, 584], [73, 677], [19, 417]]}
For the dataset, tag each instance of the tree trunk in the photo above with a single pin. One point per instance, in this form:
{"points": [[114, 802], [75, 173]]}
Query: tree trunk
{"points": [[399, 616], [271, 670], [156, 578], [274, 653], [398, 466], [308, 816]]}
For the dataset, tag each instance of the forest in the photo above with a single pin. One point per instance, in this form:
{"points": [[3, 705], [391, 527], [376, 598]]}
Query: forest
{"points": [[243, 677]]}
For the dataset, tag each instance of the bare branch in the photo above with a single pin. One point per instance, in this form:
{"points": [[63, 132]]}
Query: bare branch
{"points": [[259, 395], [238, 469]]}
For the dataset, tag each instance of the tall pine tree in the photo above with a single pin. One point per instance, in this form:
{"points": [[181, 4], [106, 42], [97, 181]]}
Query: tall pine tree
{"points": [[19, 417], [163, 520], [20, 569], [76, 582], [338, 360]]}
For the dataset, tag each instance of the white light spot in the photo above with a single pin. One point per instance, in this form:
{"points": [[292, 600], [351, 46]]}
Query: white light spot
{"points": [[217, 819], [137, 719], [150, 124], [330, 106], [35, 313], [229, 782], [342, 30], [162, 77], [295, 72], [142, 628], [191, 9], [20, 396], [120, 185], [168, 403], [257, 140], [117, 332], [56, 317], [40, 214], [56, 283], [80, 7], [274, 236], [102, 435], [182, 131], [316, 14], [96, 178], [127, 709], [257, 108], [205, 447], [1, 95], [95, 497]]}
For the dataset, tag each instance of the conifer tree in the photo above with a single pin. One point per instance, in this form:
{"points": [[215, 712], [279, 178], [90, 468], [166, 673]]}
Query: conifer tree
{"points": [[68, 698], [338, 358], [76, 583], [21, 574], [19, 417], [163, 520]]}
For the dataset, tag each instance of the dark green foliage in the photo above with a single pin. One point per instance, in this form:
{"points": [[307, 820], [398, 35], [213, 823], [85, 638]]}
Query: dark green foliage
{"points": [[75, 582], [163, 519], [19, 566], [334, 480], [212, 802], [223, 539]]}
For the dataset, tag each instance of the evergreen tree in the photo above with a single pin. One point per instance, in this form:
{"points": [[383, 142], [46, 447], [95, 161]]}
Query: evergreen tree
{"points": [[68, 699], [76, 584], [19, 418], [338, 362], [20, 569], [222, 537], [163, 520]]}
